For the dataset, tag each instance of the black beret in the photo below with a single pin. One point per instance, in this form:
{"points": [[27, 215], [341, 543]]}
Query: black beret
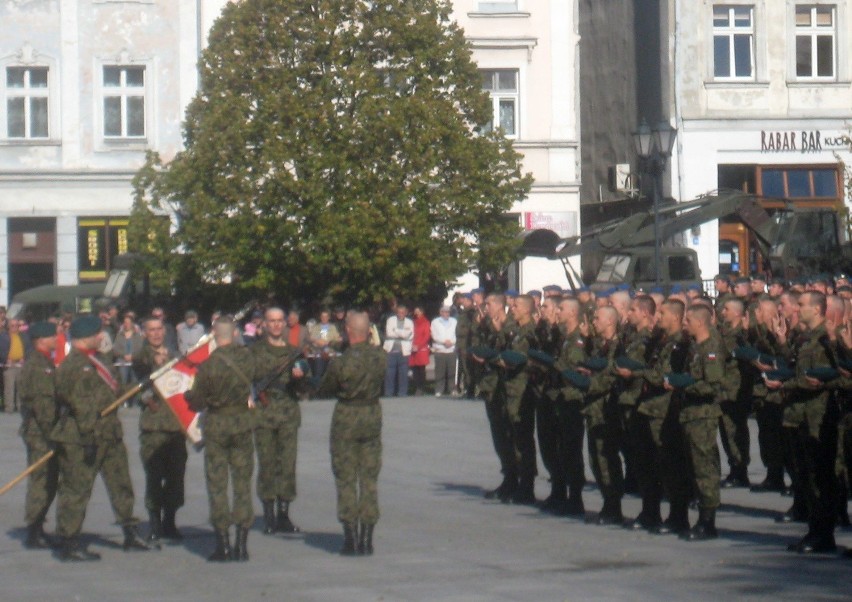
{"points": [[42, 330], [85, 326]]}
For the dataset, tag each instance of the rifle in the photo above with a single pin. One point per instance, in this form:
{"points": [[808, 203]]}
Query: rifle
{"points": [[138, 387], [260, 388]]}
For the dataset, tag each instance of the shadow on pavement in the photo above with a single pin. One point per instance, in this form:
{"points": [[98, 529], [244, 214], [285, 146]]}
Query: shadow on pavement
{"points": [[328, 542], [749, 511], [469, 490]]}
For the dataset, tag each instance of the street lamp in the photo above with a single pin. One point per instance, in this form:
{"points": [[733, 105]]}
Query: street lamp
{"points": [[654, 147]]}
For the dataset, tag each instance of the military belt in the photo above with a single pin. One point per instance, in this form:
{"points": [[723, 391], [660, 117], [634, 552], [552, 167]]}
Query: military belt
{"points": [[697, 401], [230, 410], [360, 402]]}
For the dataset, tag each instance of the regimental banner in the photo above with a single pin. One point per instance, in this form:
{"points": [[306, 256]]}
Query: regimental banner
{"points": [[173, 384]]}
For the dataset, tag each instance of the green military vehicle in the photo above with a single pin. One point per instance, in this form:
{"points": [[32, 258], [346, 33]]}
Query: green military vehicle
{"points": [[793, 242], [126, 285]]}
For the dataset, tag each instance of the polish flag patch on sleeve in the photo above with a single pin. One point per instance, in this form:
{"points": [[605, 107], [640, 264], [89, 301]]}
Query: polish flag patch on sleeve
{"points": [[711, 356]]}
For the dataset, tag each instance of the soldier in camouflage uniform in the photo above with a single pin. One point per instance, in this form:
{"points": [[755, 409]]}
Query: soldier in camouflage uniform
{"points": [[492, 333], [662, 460], [356, 378], [520, 406], [736, 396], [569, 401], [464, 325], [222, 388], [37, 396], [278, 376], [162, 443], [630, 388], [812, 410], [699, 417], [602, 419], [541, 388], [768, 404], [90, 444]]}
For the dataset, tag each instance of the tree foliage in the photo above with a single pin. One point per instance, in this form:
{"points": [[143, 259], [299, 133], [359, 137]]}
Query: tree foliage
{"points": [[333, 150]]}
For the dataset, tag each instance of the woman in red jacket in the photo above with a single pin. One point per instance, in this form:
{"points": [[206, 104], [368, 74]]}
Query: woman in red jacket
{"points": [[419, 358]]}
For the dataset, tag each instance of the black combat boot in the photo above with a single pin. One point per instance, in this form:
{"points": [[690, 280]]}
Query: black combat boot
{"points": [[677, 521], [155, 528], [525, 493], [705, 528], [349, 535], [240, 553], [284, 524], [504, 490], [774, 481], [365, 540], [610, 513], [842, 504], [222, 553], [796, 514], [170, 530], [268, 517], [132, 541], [70, 550], [557, 499], [36, 538]]}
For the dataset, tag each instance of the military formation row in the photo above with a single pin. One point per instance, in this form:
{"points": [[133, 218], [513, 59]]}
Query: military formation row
{"points": [[651, 380]]}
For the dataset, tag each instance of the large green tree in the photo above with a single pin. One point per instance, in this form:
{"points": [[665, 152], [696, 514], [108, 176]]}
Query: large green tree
{"points": [[335, 149]]}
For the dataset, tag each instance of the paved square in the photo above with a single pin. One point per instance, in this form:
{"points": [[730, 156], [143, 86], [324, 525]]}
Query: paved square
{"points": [[438, 539]]}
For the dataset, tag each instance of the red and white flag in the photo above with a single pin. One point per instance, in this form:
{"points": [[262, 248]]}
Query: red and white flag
{"points": [[173, 384]]}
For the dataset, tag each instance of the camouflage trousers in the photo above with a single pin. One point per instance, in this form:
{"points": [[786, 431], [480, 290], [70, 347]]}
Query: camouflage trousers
{"points": [[604, 437], [42, 484], [700, 439], [662, 464], [229, 457], [77, 479], [733, 427], [356, 460], [277, 446], [163, 456]]}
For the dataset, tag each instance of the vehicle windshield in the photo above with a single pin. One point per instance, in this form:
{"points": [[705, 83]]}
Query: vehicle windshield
{"points": [[614, 268], [14, 309], [115, 284]]}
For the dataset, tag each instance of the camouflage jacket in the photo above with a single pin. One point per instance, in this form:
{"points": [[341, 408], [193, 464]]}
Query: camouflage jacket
{"points": [[571, 354], [464, 326], [156, 414], [268, 360], [669, 354], [738, 377], [222, 387], [707, 367], [37, 395], [356, 377], [811, 350], [636, 348], [81, 395]]}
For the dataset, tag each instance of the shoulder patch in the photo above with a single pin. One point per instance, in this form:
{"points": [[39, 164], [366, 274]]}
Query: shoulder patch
{"points": [[711, 356]]}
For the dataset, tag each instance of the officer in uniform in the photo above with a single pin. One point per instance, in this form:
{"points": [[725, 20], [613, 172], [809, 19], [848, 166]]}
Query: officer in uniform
{"points": [[222, 388], [699, 416], [90, 444], [356, 378], [278, 376], [813, 409], [37, 396], [162, 443], [464, 326]]}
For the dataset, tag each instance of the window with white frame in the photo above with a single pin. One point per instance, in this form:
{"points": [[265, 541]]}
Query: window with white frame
{"points": [[816, 36], [502, 86], [27, 102], [733, 42], [124, 101], [498, 6]]}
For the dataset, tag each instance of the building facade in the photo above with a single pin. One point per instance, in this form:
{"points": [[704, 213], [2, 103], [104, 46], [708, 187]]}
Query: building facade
{"points": [[528, 53], [762, 98], [87, 87]]}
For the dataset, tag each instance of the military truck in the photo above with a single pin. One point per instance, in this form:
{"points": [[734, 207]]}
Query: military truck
{"points": [[126, 285], [791, 241]]}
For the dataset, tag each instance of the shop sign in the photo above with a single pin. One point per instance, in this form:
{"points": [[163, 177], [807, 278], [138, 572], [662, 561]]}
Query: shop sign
{"points": [[804, 141], [564, 223]]}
